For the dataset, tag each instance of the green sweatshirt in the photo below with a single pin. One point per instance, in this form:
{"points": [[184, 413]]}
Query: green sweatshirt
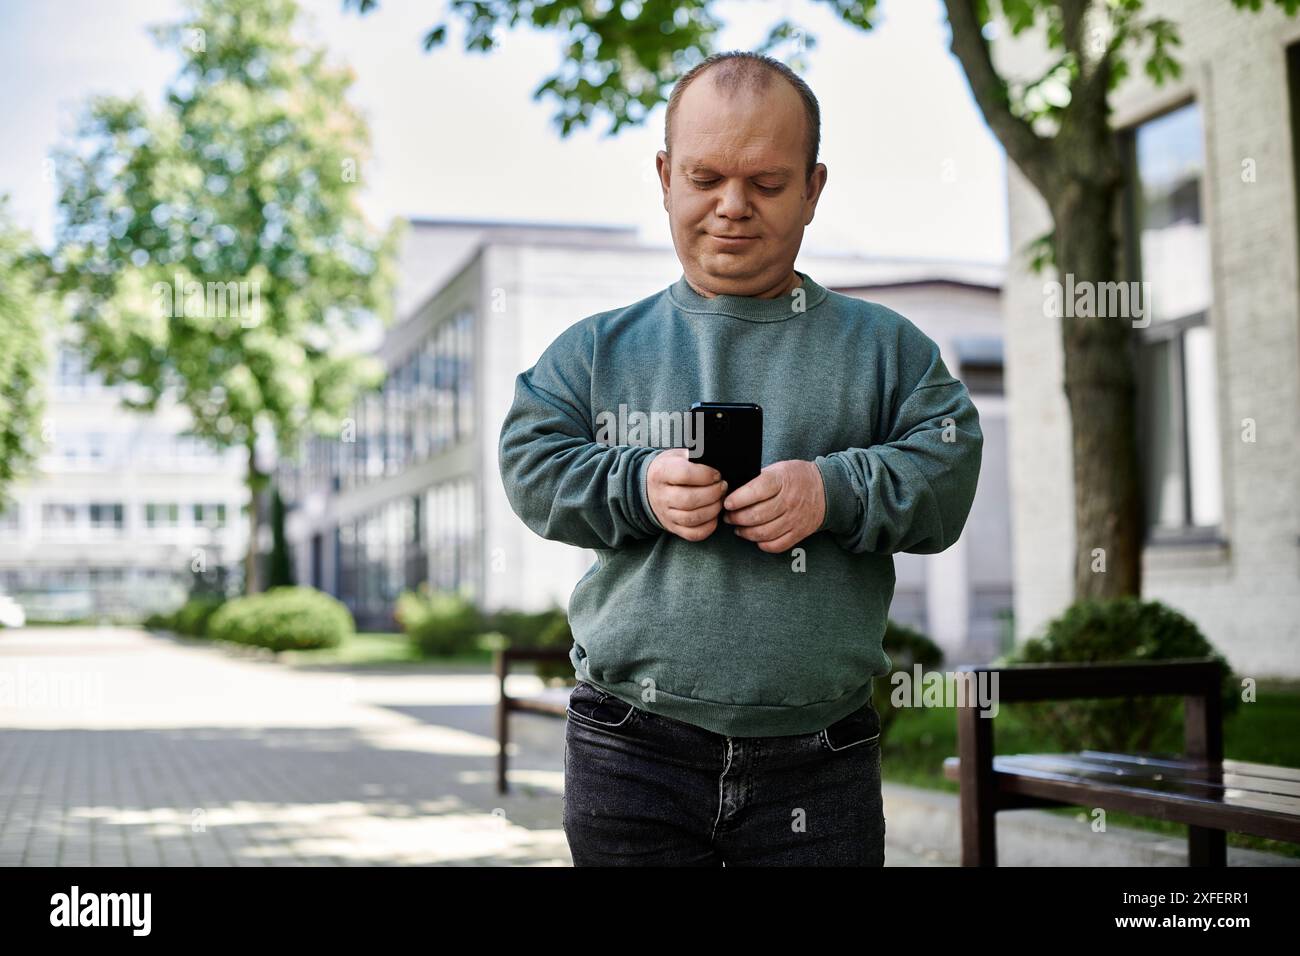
{"points": [[719, 633]]}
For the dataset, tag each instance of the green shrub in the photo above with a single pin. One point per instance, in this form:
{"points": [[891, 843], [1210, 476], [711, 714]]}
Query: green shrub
{"points": [[439, 624], [558, 635], [160, 622], [1115, 631], [284, 619], [905, 647], [524, 628], [194, 616]]}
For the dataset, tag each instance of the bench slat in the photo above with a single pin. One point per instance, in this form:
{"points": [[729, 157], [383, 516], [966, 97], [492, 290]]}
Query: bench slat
{"points": [[1226, 776], [1164, 784], [1209, 814], [1245, 767], [1256, 815], [1115, 794]]}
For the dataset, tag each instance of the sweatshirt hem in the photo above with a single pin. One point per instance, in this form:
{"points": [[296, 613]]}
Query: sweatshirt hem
{"points": [[740, 720]]}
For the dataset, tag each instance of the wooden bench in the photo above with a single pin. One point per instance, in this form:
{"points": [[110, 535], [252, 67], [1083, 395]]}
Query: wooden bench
{"points": [[551, 702], [1199, 788]]}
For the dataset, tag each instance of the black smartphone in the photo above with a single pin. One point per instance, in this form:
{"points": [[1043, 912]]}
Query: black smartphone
{"points": [[729, 436]]}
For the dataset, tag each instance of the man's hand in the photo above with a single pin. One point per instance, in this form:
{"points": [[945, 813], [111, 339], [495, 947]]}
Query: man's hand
{"points": [[782, 506], [685, 495]]}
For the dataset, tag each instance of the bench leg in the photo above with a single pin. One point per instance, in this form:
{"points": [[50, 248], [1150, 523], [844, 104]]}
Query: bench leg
{"points": [[503, 738], [1206, 847], [1203, 733], [979, 835], [978, 800]]}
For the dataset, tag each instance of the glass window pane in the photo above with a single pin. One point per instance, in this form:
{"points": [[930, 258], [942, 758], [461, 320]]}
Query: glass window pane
{"points": [[1202, 426], [1175, 244], [1161, 442], [465, 378]]}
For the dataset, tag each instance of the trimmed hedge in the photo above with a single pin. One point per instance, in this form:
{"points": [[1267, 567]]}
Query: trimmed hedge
{"points": [[193, 617], [283, 619], [526, 628], [558, 635], [439, 624], [1119, 630]]}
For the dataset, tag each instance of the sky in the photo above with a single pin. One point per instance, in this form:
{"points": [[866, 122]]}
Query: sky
{"points": [[913, 170]]}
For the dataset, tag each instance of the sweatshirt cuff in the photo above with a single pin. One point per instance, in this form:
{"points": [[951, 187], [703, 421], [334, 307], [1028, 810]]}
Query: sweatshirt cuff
{"points": [[841, 500], [642, 478]]}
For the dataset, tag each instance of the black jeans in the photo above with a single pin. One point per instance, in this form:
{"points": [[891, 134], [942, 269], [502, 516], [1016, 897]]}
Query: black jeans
{"points": [[641, 789]]}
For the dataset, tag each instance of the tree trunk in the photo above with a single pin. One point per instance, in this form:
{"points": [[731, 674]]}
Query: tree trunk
{"points": [[1079, 174], [252, 582], [1100, 389]]}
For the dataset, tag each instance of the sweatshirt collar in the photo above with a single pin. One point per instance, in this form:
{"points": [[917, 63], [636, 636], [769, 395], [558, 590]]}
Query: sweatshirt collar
{"points": [[750, 308]]}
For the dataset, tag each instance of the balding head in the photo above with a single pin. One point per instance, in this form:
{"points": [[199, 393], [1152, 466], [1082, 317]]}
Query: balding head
{"points": [[737, 72]]}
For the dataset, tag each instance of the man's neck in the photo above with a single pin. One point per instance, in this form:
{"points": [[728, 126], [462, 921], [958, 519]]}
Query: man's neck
{"points": [[786, 286]]}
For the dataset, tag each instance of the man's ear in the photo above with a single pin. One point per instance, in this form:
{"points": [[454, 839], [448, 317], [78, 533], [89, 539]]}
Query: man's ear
{"points": [[816, 183], [663, 166]]}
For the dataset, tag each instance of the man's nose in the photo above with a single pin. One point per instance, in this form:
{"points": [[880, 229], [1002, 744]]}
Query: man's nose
{"points": [[733, 202]]}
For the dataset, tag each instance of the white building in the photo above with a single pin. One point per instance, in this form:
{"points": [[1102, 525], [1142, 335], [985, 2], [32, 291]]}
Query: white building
{"points": [[122, 506], [410, 491], [1210, 219]]}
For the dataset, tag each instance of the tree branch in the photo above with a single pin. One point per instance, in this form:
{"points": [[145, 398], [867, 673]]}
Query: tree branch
{"points": [[1026, 148], [1073, 17]]}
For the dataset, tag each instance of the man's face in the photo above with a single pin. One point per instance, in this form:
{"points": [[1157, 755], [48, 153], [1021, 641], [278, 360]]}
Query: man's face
{"points": [[737, 170]]}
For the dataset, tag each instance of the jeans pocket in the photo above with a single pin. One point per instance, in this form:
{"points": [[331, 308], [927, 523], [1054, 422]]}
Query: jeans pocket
{"points": [[595, 707], [860, 727]]}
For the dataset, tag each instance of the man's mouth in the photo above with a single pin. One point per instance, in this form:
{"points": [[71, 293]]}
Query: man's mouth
{"points": [[732, 240]]}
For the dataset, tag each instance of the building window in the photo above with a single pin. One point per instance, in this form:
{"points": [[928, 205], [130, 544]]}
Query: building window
{"points": [[59, 516], [345, 547], [162, 515], [375, 436], [210, 515], [9, 516], [109, 516], [1168, 251], [980, 362], [452, 534], [444, 432], [95, 454], [464, 375], [1293, 86], [71, 373]]}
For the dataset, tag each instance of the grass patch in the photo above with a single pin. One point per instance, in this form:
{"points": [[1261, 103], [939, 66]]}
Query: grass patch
{"points": [[1263, 732], [375, 648]]}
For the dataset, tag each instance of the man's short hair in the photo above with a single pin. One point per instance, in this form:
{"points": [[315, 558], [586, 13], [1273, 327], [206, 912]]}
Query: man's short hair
{"points": [[740, 69]]}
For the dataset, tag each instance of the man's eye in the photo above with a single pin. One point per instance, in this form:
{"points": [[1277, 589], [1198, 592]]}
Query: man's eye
{"points": [[709, 183]]}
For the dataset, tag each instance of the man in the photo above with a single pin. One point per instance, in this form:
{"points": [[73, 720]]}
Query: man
{"points": [[726, 641]]}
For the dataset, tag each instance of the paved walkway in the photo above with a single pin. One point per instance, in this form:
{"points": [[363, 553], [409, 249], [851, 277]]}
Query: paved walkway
{"points": [[122, 748]]}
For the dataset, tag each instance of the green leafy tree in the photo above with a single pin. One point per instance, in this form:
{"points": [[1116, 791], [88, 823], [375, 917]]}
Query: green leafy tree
{"points": [[22, 351], [620, 60], [214, 250]]}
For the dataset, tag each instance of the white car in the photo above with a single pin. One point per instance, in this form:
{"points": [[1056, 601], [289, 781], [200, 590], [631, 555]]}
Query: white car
{"points": [[11, 612]]}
